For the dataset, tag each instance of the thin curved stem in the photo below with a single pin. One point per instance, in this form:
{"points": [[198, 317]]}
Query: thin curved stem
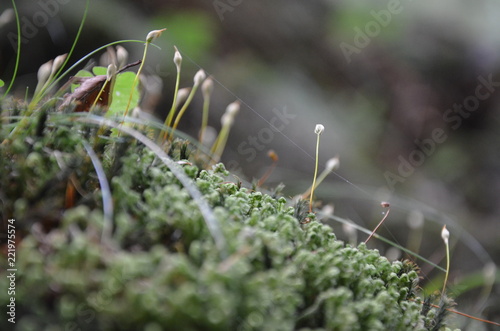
{"points": [[18, 54], [92, 53], [447, 267], [107, 200], [53, 79], [378, 225], [315, 175], [205, 210], [136, 79]]}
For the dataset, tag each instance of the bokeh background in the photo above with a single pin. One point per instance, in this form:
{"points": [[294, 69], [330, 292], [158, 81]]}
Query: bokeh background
{"points": [[379, 75]]}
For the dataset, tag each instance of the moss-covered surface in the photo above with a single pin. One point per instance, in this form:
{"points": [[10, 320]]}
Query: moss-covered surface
{"points": [[160, 268]]}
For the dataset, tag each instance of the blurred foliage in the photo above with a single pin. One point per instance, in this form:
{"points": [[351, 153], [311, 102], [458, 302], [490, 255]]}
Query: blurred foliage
{"points": [[192, 31]]}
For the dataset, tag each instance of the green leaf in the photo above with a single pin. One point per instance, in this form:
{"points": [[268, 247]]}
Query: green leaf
{"points": [[99, 70], [121, 93], [1, 83]]}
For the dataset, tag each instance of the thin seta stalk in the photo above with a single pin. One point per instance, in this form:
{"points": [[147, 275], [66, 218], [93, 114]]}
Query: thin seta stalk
{"points": [[227, 121], [274, 157], [110, 78], [206, 89], [44, 75], [445, 234], [80, 61], [385, 205], [318, 130], [149, 38], [173, 109], [56, 75], [331, 165], [198, 79]]}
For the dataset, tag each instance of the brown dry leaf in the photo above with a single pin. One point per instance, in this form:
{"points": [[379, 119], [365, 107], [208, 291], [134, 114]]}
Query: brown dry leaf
{"points": [[86, 94]]}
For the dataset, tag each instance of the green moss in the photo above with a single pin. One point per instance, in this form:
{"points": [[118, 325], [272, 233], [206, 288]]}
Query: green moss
{"points": [[161, 268]]}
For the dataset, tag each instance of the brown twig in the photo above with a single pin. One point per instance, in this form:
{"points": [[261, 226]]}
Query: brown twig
{"points": [[385, 205]]}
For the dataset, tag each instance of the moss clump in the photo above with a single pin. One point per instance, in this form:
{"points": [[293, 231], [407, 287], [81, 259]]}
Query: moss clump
{"points": [[161, 268]]}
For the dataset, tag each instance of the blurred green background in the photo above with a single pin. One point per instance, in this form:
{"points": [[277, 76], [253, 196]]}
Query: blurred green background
{"points": [[379, 75]]}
